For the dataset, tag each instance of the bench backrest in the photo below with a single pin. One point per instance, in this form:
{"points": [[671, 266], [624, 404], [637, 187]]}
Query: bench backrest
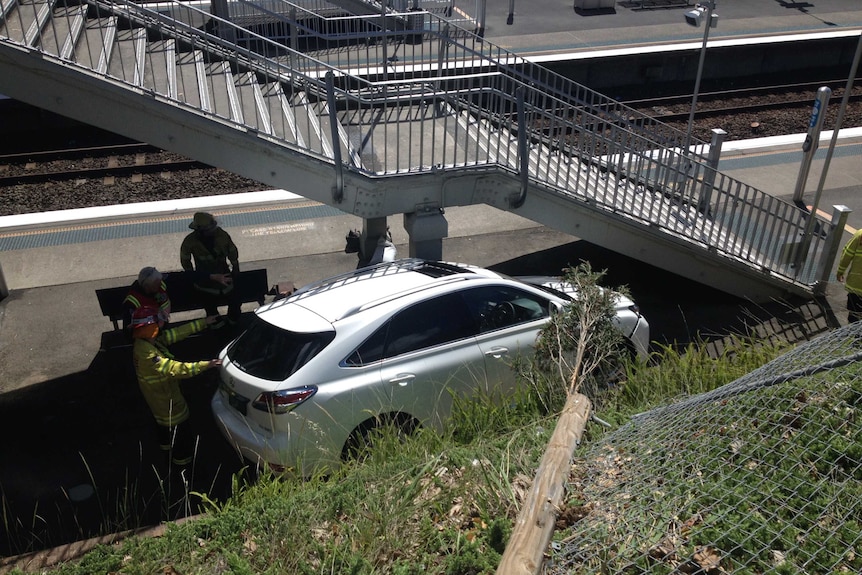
{"points": [[251, 286]]}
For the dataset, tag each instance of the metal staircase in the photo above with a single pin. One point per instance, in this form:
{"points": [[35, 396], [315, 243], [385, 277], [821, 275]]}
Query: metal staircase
{"points": [[380, 119]]}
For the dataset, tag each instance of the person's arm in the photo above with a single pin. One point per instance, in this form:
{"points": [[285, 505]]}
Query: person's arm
{"points": [[851, 250], [182, 369], [128, 310], [175, 334], [223, 279], [150, 361], [233, 256], [130, 304], [186, 255]]}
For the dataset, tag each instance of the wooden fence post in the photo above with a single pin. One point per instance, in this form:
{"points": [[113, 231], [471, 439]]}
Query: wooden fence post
{"points": [[534, 527]]}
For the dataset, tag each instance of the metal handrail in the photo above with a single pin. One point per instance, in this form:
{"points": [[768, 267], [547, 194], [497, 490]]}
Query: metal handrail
{"points": [[569, 140], [463, 50]]}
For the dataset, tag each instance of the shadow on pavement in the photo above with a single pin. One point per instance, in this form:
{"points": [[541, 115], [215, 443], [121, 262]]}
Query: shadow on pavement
{"points": [[82, 459]]}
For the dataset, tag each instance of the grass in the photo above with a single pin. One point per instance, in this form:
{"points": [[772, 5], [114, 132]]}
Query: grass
{"points": [[431, 505]]}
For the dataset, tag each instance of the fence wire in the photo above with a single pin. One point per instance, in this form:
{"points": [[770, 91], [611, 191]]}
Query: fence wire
{"points": [[763, 475]]}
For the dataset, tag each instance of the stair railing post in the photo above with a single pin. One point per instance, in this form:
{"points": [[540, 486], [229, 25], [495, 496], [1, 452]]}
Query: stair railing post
{"points": [[221, 11], [831, 247], [442, 52], [442, 49], [523, 150], [294, 41], [385, 46], [338, 188], [712, 159]]}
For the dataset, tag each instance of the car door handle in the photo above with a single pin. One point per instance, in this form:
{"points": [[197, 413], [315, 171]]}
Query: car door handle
{"points": [[402, 379], [497, 352]]}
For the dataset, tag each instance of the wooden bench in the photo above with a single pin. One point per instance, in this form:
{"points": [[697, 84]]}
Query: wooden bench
{"points": [[251, 286]]}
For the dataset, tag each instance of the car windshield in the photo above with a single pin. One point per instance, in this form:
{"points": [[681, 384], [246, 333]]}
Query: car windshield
{"points": [[271, 353], [553, 291]]}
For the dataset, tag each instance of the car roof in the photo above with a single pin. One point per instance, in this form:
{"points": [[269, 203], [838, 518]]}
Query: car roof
{"points": [[315, 307]]}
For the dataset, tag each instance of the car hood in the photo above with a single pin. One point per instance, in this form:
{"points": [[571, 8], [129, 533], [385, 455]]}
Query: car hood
{"points": [[555, 283]]}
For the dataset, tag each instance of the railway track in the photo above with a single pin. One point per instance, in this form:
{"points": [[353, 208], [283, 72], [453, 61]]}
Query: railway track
{"points": [[670, 109], [91, 163]]}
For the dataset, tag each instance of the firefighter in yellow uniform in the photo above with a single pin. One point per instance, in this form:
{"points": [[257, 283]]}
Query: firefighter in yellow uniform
{"points": [[159, 376], [850, 274]]}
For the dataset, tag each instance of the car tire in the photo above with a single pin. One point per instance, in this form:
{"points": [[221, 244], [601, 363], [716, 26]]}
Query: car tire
{"points": [[613, 373], [361, 440]]}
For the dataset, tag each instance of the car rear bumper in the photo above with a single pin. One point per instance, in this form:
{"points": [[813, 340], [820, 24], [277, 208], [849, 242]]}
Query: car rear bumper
{"points": [[298, 448]]}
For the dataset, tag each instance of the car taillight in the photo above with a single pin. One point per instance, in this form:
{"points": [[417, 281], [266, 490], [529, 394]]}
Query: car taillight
{"points": [[284, 400]]}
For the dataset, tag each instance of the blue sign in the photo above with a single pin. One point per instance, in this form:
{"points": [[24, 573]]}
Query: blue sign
{"points": [[815, 113]]}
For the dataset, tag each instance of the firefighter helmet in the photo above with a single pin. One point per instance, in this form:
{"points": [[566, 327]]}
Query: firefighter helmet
{"points": [[145, 322]]}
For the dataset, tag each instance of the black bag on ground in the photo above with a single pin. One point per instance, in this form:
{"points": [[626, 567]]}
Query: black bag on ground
{"points": [[352, 242]]}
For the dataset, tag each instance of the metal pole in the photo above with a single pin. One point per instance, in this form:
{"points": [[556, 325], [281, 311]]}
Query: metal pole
{"points": [[523, 150], [338, 188], [709, 174], [294, 41], [831, 247], [809, 224], [480, 29], [383, 31], [710, 6], [838, 121], [812, 141]]}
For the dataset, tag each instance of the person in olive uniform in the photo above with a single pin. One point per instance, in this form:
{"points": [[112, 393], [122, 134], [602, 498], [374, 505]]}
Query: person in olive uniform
{"points": [[210, 249]]}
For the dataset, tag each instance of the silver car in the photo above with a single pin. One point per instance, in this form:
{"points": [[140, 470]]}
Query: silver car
{"points": [[394, 342]]}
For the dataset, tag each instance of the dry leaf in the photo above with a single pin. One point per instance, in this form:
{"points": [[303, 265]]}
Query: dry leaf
{"points": [[250, 545], [708, 559]]}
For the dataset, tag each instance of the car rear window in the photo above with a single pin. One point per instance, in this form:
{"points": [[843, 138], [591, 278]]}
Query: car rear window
{"points": [[275, 354]]}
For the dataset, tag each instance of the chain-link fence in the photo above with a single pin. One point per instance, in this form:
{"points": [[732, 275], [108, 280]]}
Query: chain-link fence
{"points": [[763, 475]]}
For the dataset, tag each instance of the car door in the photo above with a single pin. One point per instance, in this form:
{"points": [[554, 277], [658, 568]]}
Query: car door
{"points": [[429, 356], [509, 320]]}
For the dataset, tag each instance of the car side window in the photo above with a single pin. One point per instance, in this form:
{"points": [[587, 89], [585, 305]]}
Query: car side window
{"points": [[371, 349], [434, 322], [498, 307]]}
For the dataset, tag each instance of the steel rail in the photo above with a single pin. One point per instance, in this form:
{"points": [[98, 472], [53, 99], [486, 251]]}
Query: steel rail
{"points": [[762, 90], [100, 172], [54, 154], [737, 110]]}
